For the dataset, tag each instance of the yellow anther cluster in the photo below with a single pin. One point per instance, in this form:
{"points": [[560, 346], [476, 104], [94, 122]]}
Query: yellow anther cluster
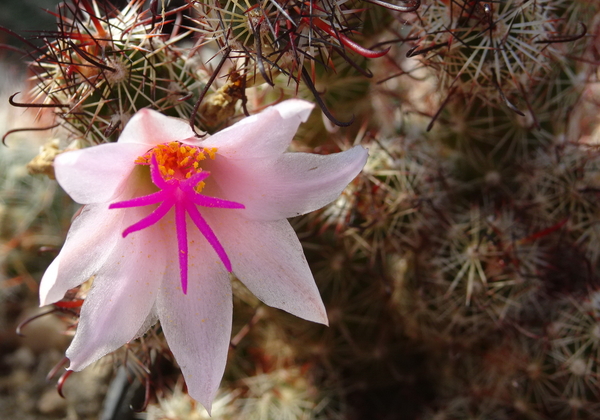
{"points": [[177, 160]]}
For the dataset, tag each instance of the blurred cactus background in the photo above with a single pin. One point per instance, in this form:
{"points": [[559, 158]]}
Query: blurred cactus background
{"points": [[459, 269]]}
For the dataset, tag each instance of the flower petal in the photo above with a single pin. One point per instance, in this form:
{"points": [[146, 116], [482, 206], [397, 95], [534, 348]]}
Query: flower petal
{"points": [[152, 128], [295, 184], [122, 295], [91, 240], [266, 134], [97, 174], [268, 258], [148, 323], [197, 325], [90, 243]]}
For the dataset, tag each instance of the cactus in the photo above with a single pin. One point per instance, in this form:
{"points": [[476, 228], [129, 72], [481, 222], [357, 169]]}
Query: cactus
{"points": [[459, 269], [101, 66]]}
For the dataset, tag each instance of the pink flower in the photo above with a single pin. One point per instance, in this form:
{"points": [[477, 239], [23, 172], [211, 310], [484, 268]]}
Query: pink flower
{"points": [[168, 216]]}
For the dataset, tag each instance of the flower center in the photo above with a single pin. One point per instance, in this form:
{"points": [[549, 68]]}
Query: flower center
{"points": [[178, 161], [176, 171]]}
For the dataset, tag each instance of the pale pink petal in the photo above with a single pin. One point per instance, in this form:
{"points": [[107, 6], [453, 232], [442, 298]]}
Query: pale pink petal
{"points": [[266, 134], [268, 258], [92, 238], [295, 184], [149, 322], [153, 128], [197, 325], [294, 108], [123, 294], [97, 174], [90, 242]]}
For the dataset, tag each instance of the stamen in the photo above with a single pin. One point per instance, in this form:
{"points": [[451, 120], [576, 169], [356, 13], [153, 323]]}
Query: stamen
{"points": [[155, 175], [175, 170], [176, 160], [211, 152]]}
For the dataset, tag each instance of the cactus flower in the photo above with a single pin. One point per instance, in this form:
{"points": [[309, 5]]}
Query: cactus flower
{"points": [[168, 216]]}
